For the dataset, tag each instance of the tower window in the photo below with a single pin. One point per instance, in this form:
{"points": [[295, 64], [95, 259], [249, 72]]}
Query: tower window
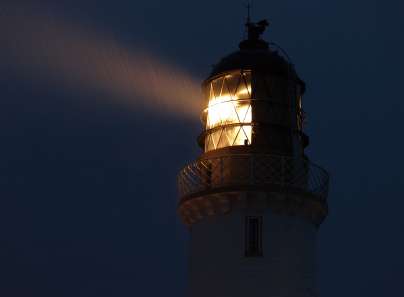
{"points": [[253, 240]]}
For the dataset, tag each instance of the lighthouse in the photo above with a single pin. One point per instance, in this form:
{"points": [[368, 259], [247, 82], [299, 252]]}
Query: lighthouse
{"points": [[253, 200]]}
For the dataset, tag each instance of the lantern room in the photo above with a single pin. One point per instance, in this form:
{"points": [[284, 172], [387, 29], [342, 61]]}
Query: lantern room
{"points": [[253, 98]]}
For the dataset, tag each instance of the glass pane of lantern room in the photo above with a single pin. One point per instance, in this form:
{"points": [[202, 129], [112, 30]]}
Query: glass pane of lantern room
{"points": [[210, 143], [226, 111], [216, 137], [240, 137], [232, 82], [244, 86], [244, 111], [207, 140], [207, 126], [209, 95], [247, 77], [247, 131], [232, 114], [214, 118], [217, 88], [225, 95], [224, 140], [270, 82], [279, 93], [259, 90], [232, 134]]}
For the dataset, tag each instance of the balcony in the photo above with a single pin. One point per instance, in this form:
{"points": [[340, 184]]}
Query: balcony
{"points": [[253, 170]]}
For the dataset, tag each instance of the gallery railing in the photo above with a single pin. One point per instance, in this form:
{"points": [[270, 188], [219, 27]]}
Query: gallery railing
{"points": [[252, 170]]}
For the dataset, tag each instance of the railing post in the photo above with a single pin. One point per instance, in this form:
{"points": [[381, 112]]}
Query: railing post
{"points": [[221, 169], [310, 177], [283, 168], [252, 169], [196, 165]]}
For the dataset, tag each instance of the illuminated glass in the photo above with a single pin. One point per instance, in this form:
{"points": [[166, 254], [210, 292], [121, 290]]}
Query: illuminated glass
{"points": [[211, 146], [225, 94], [247, 132], [224, 141], [242, 136], [226, 106], [234, 100], [244, 87], [232, 116], [244, 112], [215, 114], [217, 88], [216, 137], [247, 78], [231, 133], [207, 140], [232, 82]]}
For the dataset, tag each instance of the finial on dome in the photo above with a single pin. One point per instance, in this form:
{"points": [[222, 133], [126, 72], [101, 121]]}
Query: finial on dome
{"points": [[254, 29], [254, 32]]}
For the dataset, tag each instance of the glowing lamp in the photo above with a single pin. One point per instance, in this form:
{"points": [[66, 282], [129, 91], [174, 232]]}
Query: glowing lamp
{"points": [[247, 102]]}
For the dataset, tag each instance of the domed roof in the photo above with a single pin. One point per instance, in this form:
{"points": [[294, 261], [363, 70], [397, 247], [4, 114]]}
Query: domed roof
{"points": [[254, 55]]}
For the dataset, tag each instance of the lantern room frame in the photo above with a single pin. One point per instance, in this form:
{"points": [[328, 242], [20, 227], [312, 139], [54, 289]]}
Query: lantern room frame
{"points": [[246, 107]]}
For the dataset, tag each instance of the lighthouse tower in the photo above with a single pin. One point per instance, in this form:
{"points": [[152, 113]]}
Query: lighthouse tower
{"points": [[253, 201]]}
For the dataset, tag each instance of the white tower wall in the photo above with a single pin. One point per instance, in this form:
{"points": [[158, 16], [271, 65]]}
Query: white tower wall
{"points": [[218, 266]]}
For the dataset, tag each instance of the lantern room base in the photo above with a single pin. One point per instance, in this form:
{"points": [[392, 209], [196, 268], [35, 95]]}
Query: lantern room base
{"points": [[301, 206]]}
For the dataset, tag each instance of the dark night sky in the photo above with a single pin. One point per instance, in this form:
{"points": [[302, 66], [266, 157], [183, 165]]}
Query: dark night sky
{"points": [[88, 163]]}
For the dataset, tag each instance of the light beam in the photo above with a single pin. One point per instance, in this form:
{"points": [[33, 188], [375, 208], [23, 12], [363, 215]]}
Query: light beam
{"points": [[44, 45]]}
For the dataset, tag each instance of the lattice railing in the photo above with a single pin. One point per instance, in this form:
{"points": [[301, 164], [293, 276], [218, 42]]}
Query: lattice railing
{"points": [[252, 170]]}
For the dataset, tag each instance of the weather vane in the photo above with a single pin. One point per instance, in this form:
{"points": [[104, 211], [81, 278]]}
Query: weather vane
{"points": [[248, 12], [254, 31], [248, 17]]}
